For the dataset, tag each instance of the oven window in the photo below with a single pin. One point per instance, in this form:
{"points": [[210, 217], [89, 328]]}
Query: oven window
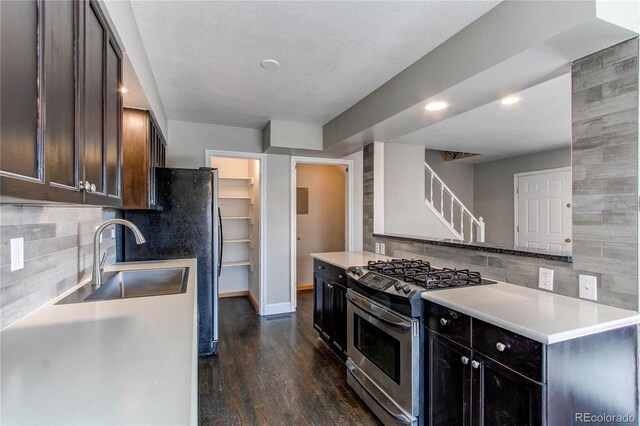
{"points": [[379, 347]]}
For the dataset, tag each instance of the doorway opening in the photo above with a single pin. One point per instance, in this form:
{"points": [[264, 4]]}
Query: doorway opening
{"points": [[240, 195], [543, 210], [321, 214]]}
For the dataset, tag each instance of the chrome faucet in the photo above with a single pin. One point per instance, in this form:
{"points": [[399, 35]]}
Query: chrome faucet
{"points": [[96, 278]]}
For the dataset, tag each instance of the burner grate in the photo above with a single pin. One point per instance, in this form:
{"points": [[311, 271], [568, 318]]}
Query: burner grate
{"points": [[420, 272]]}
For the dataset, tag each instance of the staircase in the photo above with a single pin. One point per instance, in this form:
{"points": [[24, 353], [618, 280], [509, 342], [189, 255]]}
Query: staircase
{"points": [[450, 210]]}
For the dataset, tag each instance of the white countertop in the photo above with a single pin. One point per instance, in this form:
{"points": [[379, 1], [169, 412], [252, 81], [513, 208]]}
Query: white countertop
{"points": [[344, 259], [542, 316], [129, 361]]}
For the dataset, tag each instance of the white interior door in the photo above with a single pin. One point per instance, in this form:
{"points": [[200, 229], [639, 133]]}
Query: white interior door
{"points": [[543, 209]]}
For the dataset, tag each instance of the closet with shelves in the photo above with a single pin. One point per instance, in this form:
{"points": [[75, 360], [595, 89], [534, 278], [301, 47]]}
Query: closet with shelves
{"points": [[239, 198]]}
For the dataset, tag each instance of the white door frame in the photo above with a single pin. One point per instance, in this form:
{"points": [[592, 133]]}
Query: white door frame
{"points": [[263, 194], [295, 160], [516, 176]]}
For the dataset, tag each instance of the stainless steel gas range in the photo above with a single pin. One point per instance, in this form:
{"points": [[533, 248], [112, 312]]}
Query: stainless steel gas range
{"points": [[384, 332]]}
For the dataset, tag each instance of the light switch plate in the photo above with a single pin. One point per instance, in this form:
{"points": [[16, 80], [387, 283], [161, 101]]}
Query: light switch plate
{"points": [[588, 287], [17, 253], [383, 248], [377, 248], [545, 279]]}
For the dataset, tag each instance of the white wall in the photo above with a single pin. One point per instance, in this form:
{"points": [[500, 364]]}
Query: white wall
{"points": [[280, 135], [254, 231], [278, 232], [356, 202], [404, 183], [188, 141]]}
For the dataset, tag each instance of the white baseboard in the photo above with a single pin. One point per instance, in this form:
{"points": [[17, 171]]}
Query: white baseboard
{"points": [[277, 308]]}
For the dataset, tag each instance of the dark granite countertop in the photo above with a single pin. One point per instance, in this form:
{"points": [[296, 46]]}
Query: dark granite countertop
{"points": [[484, 247]]}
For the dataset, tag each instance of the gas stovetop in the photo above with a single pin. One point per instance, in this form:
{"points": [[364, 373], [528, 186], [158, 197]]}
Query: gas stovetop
{"points": [[409, 277], [421, 273]]}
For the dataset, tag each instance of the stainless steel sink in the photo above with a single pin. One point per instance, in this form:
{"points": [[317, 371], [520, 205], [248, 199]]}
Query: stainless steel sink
{"points": [[128, 284]]}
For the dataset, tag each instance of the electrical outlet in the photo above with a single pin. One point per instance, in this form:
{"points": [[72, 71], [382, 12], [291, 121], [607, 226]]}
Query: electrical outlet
{"points": [[377, 248], [17, 253], [383, 248], [545, 279], [113, 232], [588, 287]]}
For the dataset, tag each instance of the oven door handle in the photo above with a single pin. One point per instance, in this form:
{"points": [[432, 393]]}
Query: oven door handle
{"points": [[366, 384], [379, 313]]}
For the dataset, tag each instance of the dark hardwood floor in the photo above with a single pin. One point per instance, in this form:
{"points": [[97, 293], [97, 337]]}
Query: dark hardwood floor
{"points": [[274, 372]]}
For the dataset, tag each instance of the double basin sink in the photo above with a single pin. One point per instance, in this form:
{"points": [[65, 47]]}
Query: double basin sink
{"points": [[133, 283]]}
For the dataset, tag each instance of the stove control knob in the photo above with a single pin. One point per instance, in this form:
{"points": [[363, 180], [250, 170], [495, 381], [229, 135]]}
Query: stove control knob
{"points": [[406, 288], [398, 285]]}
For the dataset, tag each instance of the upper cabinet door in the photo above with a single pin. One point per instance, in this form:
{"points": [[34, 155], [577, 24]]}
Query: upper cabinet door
{"points": [[102, 111], [21, 159], [61, 129], [94, 78], [113, 121]]}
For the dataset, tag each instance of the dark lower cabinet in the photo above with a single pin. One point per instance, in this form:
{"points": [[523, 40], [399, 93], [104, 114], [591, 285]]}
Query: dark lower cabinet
{"points": [[498, 377], [60, 117], [448, 382], [330, 308], [501, 396]]}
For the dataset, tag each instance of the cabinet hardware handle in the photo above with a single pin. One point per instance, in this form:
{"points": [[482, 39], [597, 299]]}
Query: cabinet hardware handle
{"points": [[465, 360], [444, 321], [329, 285], [320, 267], [475, 364], [501, 347], [567, 240], [340, 276], [93, 187]]}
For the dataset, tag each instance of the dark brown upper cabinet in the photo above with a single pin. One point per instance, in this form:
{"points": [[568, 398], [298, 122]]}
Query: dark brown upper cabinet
{"points": [[61, 105], [143, 150]]}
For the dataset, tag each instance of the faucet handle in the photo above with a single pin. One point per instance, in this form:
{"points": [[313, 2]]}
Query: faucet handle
{"points": [[104, 259]]}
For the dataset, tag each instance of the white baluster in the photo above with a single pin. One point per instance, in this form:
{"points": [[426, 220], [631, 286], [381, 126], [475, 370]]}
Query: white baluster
{"points": [[471, 228], [462, 222], [481, 230], [431, 194], [441, 198], [451, 207]]}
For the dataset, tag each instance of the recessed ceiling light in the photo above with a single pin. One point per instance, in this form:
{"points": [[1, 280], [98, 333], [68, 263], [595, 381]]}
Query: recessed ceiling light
{"points": [[510, 100], [270, 64], [436, 106], [124, 90]]}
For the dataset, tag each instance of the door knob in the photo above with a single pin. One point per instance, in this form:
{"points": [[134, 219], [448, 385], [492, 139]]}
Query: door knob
{"points": [[568, 204], [298, 238], [567, 240]]}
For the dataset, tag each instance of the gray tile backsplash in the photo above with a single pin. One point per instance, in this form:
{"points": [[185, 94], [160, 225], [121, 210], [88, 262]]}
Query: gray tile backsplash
{"points": [[58, 247], [605, 191]]}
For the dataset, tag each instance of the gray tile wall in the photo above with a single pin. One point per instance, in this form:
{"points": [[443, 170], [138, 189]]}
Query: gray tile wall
{"points": [[605, 187], [58, 244]]}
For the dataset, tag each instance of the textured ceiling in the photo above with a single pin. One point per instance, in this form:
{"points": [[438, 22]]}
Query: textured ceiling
{"points": [[539, 122], [206, 56]]}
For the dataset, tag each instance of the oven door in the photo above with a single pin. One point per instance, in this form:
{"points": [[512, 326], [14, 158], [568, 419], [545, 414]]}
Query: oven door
{"points": [[383, 350]]}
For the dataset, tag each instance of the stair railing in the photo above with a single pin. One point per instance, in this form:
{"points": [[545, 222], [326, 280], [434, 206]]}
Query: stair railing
{"points": [[454, 222]]}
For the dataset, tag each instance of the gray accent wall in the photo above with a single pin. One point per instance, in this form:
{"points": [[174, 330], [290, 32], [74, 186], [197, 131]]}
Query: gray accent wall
{"points": [[58, 248], [605, 187], [605, 169], [493, 189]]}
